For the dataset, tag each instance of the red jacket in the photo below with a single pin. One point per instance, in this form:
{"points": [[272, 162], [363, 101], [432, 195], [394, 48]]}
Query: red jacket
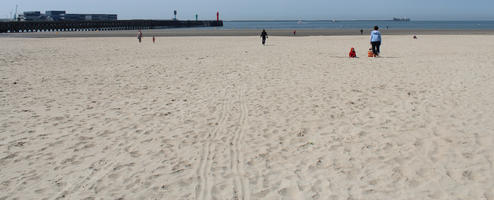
{"points": [[352, 53]]}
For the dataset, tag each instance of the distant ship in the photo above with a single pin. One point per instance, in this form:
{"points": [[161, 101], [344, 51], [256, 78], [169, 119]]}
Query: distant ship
{"points": [[401, 19]]}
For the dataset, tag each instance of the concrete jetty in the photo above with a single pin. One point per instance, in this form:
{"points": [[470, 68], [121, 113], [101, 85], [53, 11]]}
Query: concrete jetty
{"points": [[61, 26]]}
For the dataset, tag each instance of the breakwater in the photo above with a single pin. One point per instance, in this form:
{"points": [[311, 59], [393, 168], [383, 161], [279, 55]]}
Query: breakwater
{"points": [[50, 26]]}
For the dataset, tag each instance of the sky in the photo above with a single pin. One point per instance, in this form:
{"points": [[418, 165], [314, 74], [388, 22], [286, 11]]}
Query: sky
{"points": [[266, 9]]}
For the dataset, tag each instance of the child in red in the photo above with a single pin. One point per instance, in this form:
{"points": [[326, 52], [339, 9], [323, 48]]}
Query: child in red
{"points": [[352, 53], [370, 53]]}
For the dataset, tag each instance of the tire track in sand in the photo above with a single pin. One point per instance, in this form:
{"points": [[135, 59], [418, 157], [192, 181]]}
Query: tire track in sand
{"points": [[205, 180], [240, 187]]}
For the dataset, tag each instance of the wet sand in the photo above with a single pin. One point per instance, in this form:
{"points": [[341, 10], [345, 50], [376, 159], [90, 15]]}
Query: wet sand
{"points": [[221, 32]]}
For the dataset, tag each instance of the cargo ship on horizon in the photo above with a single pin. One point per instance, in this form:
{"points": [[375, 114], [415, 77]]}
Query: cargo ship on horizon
{"points": [[404, 19]]}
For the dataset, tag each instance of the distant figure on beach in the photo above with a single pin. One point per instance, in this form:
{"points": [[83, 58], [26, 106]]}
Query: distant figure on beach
{"points": [[139, 36], [264, 36], [294, 32], [415, 37], [361, 31], [376, 41], [154, 39], [352, 53]]}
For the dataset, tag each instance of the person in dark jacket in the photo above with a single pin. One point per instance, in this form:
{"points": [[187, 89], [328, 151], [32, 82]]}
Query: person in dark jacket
{"points": [[264, 36]]}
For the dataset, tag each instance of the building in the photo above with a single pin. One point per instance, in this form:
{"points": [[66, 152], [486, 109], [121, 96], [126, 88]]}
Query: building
{"points": [[32, 16], [55, 15], [89, 17], [60, 15]]}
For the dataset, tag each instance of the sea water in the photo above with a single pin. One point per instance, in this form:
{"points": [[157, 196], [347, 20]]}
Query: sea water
{"points": [[360, 24]]}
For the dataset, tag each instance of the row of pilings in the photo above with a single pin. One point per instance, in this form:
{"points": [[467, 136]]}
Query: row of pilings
{"points": [[49, 26]]}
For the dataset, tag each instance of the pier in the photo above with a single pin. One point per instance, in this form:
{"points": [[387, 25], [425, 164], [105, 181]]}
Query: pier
{"points": [[61, 26]]}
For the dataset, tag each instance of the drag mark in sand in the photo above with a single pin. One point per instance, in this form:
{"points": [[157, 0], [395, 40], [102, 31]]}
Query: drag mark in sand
{"points": [[205, 180], [240, 188]]}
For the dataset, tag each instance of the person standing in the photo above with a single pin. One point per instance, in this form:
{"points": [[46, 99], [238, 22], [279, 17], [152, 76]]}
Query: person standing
{"points": [[139, 36], [154, 39], [264, 36], [361, 31], [376, 41]]}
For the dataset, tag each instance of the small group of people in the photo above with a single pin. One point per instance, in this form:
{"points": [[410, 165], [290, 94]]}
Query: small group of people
{"points": [[140, 36], [375, 41]]}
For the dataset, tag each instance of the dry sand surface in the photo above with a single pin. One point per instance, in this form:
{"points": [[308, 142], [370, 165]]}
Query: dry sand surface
{"points": [[228, 118]]}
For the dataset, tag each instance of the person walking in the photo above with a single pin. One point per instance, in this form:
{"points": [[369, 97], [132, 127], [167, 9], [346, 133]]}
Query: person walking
{"points": [[154, 39], [361, 31], [264, 36], [376, 41]]}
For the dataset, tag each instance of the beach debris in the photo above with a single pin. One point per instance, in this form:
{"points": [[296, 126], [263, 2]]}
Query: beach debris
{"points": [[20, 144], [168, 113], [302, 132], [164, 187]]}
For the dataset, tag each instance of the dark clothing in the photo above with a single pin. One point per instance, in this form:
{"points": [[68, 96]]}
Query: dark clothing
{"points": [[139, 36], [264, 35], [376, 48]]}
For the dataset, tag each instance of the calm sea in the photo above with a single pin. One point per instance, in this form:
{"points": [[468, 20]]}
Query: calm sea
{"points": [[357, 24]]}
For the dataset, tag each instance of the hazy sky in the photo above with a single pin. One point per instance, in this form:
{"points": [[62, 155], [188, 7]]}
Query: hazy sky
{"points": [[267, 9]]}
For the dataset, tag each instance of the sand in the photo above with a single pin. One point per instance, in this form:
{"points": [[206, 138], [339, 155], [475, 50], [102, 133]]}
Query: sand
{"points": [[184, 32], [228, 118]]}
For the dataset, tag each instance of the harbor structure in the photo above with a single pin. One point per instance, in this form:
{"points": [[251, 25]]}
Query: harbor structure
{"points": [[61, 15]]}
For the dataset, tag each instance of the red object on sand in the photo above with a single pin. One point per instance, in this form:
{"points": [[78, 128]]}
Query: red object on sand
{"points": [[370, 54], [352, 53]]}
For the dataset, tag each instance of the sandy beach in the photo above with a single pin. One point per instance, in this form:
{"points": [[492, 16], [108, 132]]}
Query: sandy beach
{"points": [[203, 32], [228, 118]]}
